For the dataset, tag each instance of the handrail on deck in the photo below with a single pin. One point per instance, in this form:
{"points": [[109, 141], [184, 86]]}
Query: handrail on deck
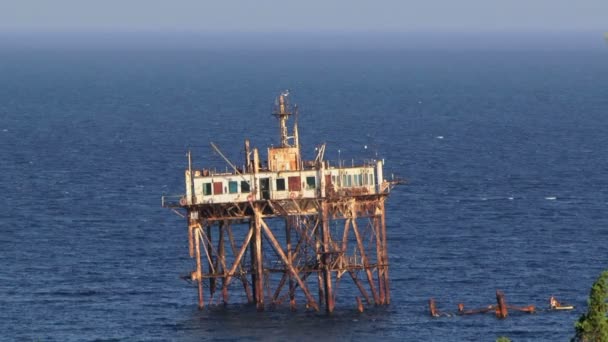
{"points": [[172, 201]]}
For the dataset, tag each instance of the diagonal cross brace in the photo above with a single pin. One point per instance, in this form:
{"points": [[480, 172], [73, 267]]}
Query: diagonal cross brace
{"points": [[279, 250]]}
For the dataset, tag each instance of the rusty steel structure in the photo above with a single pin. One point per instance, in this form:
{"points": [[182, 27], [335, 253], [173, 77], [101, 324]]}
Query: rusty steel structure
{"points": [[501, 309], [288, 229]]}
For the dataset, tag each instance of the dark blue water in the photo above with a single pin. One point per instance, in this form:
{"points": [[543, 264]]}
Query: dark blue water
{"points": [[505, 152]]}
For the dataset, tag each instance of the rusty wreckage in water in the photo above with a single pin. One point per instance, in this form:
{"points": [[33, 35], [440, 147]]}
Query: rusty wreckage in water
{"points": [[289, 228]]}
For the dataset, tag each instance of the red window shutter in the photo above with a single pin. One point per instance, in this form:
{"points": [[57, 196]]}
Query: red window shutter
{"points": [[217, 188], [295, 184]]}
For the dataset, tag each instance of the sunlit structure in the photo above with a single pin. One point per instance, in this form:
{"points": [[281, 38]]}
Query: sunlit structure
{"points": [[287, 227]]}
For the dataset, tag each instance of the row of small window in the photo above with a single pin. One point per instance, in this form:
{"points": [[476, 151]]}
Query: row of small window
{"points": [[354, 180], [233, 188], [295, 183]]}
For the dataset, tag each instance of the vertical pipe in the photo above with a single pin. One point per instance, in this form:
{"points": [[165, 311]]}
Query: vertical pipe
{"points": [[190, 179], [296, 134], [253, 258], [255, 188], [322, 179], [379, 176], [259, 266], [191, 225], [320, 278], [199, 273], [247, 157], [256, 161], [379, 259], [212, 262], [221, 251], [288, 225], [327, 279], [387, 289]]}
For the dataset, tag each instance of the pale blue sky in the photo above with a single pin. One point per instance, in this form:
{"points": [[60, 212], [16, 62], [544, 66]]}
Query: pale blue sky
{"points": [[303, 15]]}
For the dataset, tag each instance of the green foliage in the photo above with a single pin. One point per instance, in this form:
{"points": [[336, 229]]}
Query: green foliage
{"points": [[593, 325], [503, 339]]}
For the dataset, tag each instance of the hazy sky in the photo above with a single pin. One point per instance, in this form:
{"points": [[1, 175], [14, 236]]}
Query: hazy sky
{"points": [[303, 15]]}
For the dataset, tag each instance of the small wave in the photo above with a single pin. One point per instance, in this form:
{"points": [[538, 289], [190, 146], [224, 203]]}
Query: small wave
{"points": [[68, 293], [551, 198], [496, 198]]}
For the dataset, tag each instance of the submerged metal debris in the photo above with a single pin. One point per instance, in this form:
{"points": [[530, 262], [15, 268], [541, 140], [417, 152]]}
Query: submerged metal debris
{"points": [[500, 309]]}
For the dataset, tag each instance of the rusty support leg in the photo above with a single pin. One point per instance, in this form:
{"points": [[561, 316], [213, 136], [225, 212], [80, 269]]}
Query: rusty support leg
{"points": [[252, 270], [387, 289], [326, 258], [289, 222], [198, 273], [359, 305], [320, 282], [212, 262], [191, 226], [221, 251], [345, 236], [259, 265], [379, 258], [347, 224], [368, 271]]}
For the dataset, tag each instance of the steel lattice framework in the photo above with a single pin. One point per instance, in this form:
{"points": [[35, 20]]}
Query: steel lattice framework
{"points": [[285, 240]]}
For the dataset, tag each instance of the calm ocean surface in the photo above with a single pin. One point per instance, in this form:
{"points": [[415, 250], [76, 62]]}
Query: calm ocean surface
{"points": [[505, 152]]}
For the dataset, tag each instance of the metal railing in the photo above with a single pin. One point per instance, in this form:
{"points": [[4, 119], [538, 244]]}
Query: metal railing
{"points": [[171, 201]]}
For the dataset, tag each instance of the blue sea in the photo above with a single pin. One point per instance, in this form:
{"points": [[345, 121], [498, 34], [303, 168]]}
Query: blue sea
{"points": [[504, 150]]}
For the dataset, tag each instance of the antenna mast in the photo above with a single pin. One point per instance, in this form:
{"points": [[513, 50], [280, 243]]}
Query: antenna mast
{"points": [[282, 112]]}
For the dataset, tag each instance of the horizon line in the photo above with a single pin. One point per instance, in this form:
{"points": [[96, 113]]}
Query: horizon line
{"points": [[301, 32]]}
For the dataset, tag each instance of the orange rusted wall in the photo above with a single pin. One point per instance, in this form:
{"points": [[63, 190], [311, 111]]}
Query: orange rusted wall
{"points": [[283, 159]]}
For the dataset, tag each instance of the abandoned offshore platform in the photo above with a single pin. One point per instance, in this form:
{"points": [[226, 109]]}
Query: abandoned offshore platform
{"points": [[289, 228]]}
